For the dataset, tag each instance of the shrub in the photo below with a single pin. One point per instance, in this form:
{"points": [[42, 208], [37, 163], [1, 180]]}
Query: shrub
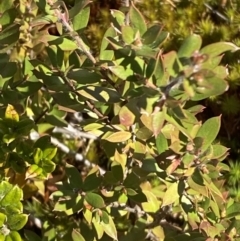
{"points": [[138, 101]]}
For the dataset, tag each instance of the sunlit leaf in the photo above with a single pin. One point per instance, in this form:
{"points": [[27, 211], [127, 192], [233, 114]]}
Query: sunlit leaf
{"points": [[216, 49], [189, 46], [119, 136], [171, 194], [110, 228], [76, 236], [209, 131]]}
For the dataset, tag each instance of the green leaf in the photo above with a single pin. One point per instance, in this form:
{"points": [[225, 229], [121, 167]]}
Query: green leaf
{"points": [[128, 34], [34, 171], [208, 132], [161, 143], [11, 113], [105, 53], [13, 236], [31, 236], [69, 205], [118, 136], [152, 66], [152, 204], [214, 86], [88, 215], [37, 155], [5, 5], [157, 122], [105, 217], [8, 16], [83, 76], [137, 20], [76, 236], [24, 126], [101, 94], [117, 171], [154, 36], [27, 67], [43, 142], [80, 21], [10, 194], [17, 221], [144, 133], [197, 184], [55, 120], [2, 219], [94, 200], [233, 210], [219, 151], [73, 176], [121, 72], [77, 8], [110, 228], [67, 101], [49, 153], [9, 35], [189, 46], [63, 43], [118, 18], [171, 194], [48, 166], [98, 228], [215, 49]]}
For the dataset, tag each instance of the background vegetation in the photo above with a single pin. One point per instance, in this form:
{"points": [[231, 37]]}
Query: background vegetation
{"points": [[103, 125]]}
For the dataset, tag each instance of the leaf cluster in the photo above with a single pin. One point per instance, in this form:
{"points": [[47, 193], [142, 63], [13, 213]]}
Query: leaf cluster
{"points": [[138, 100]]}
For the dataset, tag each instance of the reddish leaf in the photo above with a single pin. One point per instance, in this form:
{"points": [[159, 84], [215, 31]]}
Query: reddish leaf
{"points": [[126, 117]]}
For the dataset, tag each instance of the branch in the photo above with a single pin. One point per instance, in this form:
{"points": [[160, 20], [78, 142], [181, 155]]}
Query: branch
{"points": [[63, 18], [70, 130]]}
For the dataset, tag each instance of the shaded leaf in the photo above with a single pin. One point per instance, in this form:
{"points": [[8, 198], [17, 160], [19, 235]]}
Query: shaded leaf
{"points": [[94, 200], [31, 236], [97, 93], [73, 176], [83, 76]]}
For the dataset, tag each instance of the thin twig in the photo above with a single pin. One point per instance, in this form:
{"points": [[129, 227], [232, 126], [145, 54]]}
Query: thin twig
{"points": [[73, 34]]}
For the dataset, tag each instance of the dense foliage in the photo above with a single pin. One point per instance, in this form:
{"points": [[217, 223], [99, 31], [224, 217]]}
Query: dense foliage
{"points": [[215, 21], [138, 99]]}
